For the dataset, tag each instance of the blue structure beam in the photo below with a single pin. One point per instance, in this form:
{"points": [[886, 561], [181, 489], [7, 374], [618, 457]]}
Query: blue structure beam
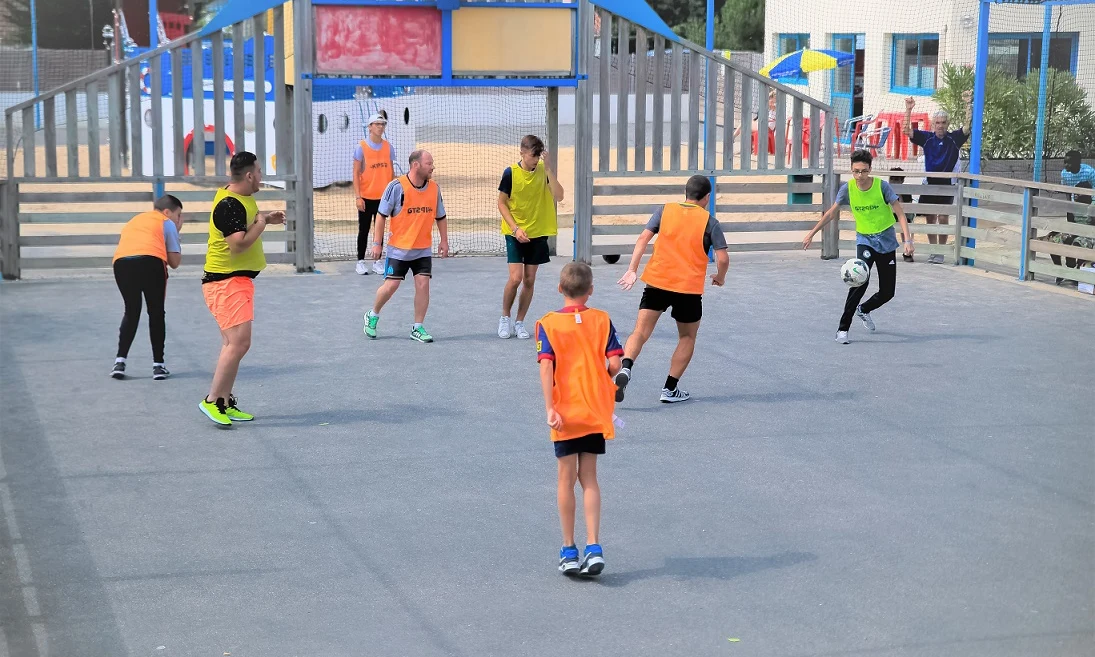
{"points": [[1043, 74]]}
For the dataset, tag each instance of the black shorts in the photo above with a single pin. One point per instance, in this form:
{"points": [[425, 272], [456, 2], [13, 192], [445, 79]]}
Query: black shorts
{"points": [[936, 200], [397, 269], [594, 443], [687, 308], [533, 252]]}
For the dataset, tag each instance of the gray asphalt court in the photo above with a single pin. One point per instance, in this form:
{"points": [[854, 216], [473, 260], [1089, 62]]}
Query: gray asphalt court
{"points": [[926, 490]]}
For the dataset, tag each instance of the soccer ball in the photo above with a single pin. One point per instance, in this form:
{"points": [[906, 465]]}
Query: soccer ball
{"points": [[854, 272]]}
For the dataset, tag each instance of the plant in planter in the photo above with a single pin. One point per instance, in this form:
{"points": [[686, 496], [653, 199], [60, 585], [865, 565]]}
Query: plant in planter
{"points": [[1011, 112]]}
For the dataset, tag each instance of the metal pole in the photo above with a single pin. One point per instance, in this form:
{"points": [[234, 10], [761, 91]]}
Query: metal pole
{"points": [[304, 61], [1040, 124], [34, 60], [153, 24], [710, 43], [980, 69], [583, 134]]}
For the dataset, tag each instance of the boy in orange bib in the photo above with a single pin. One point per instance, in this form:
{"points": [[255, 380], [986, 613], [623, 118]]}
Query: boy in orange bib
{"points": [[572, 346], [674, 278]]}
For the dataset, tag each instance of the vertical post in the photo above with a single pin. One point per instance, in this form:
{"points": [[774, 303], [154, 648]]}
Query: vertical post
{"points": [[91, 98], [197, 107], [304, 51], [9, 228], [711, 78], [258, 72], [583, 142], [623, 45], [50, 134], [115, 120], [220, 148], [604, 86], [283, 133], [830, 237], [675, 93], [641, 71], [34, 56], [239, 127], [178, 132], [980, 68], [959, 218], [1025, 254], [1040, 123], [153, 24], [553, 145], [136, 139], [658, 114]]}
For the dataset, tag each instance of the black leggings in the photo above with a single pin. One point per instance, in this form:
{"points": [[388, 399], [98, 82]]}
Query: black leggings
{"points": [[142, 275], [887, 283], [364, 223]]}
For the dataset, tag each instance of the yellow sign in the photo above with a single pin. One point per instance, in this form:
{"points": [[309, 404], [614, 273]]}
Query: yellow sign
{"points": [[511, 40]]}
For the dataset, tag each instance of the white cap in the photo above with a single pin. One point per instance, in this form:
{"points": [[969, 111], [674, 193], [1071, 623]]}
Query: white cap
{"points": [[377, 118]]}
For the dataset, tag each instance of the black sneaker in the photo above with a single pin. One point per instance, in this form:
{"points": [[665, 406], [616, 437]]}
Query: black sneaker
{"points": [[623, 377], [159, 373], [118, 372]]}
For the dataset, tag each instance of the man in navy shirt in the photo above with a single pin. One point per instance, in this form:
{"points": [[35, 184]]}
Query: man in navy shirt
{"points": [[941, 150]]}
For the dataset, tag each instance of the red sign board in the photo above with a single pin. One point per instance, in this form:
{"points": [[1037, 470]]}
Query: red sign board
{"points": [[371, 41]]}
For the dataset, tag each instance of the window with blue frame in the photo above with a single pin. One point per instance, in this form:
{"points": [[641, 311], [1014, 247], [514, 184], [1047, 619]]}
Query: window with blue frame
{"points": [[915, 64], [1020, 54], [789, 43]]}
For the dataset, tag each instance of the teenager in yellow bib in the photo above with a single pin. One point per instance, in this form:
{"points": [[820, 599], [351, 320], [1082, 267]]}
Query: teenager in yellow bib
{"points": [[413, 203], [526, 198], [874, 205], [374, 168], [233, 258]]}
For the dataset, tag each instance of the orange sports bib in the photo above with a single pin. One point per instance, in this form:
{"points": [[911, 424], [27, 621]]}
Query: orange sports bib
{"points": [[679, 263]]}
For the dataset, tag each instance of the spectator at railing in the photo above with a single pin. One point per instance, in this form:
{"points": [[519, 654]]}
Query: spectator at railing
{"points": [[1075, 174], [941, 149]]}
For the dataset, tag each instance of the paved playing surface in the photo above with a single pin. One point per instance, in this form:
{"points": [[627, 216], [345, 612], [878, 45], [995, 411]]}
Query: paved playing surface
{"points": [[927, 490]]}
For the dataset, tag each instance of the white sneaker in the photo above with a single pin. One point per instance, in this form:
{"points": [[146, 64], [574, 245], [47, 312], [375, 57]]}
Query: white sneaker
{"points": [[842, 337], [505, 331], [361, 269], [378, 267], [522, 332], [673, 396], [865, 318]]}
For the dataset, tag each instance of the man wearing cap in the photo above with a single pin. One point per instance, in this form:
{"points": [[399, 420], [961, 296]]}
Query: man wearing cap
{"points": [[373, 170]]}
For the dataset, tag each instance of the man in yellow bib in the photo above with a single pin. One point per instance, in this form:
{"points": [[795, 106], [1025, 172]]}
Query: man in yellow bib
{"points": [[373, 170], [874, 205], [233, 258], [413, 202], [526, 198]]}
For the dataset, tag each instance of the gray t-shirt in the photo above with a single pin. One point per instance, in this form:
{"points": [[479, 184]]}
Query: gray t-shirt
{"points": [[883, 242], [712, 235], [391, 203], [171, 236]]}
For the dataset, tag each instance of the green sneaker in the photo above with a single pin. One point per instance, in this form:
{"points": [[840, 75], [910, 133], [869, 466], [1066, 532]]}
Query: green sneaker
{"points": [[234, 413], [215, 411], [419, 333], [371, 321]]}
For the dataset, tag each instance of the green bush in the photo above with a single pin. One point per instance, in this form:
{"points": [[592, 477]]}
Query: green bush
{"points": [[1011, 113]]}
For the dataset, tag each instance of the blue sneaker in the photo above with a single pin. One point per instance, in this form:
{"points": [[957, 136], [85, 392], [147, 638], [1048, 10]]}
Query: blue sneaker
{"points": [[568, 560], [593, 562]]}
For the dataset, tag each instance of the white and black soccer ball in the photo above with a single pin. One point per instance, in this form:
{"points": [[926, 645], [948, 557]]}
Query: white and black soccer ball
{"points": [[854, 272]]}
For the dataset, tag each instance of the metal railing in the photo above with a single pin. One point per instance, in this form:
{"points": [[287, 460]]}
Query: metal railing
{"points": [[150, 135]]}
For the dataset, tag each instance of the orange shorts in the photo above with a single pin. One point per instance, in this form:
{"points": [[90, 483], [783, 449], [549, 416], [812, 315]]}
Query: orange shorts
{"points": [[232, 301]]}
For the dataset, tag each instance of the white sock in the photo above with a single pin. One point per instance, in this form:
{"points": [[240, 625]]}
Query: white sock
{"points": [[119, 359], [157, 365], [416, 325]]}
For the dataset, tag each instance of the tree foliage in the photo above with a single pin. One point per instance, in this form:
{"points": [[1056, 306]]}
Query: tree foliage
{"points": [[739, 24], [1010, 115]]}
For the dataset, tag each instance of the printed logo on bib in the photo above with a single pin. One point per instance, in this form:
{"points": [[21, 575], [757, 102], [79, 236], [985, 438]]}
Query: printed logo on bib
{"points": [[418, 210]]}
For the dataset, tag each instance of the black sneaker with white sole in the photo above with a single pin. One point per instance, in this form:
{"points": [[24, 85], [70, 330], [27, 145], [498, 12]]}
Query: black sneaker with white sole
{"points": [[118, 372], [159, 373], [623, 377]]}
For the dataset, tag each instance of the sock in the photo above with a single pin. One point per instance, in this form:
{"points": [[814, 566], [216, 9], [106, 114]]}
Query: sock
{"points": [[670, 383], [119, 359], [157, 365], [627, 363], [372, 314], [416, 325], [506, 317]]}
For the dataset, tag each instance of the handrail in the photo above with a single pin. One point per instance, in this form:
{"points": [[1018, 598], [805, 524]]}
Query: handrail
{"points": [[1048, 187], [186, 39], [710, 54]]}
